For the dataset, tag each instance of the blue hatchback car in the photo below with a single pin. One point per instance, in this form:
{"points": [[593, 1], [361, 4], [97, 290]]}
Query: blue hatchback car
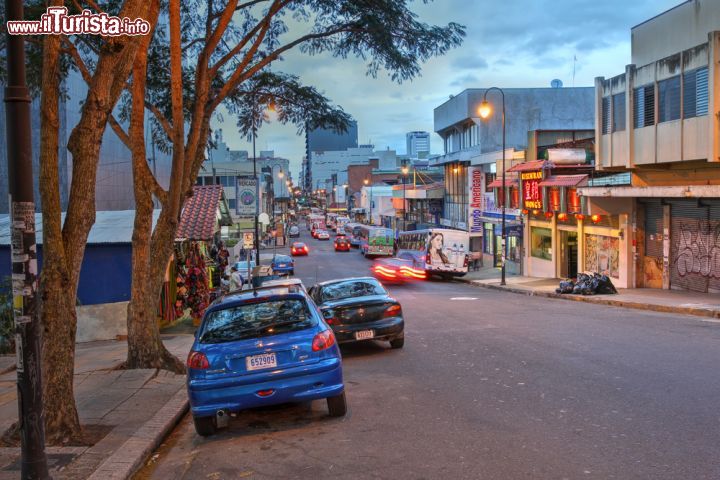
{"points": [[283, 264], [262, 347]]}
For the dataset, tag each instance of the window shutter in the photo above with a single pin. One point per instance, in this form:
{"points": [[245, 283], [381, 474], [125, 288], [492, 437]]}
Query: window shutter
{"points": [[701, 91], [605, 115]]}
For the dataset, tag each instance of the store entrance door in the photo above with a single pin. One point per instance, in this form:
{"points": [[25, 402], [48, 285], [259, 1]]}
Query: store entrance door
{"points": [[569, 254]]}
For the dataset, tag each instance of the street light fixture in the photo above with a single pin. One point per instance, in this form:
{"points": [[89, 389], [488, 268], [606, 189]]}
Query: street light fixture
{"points": [[485, 111]]}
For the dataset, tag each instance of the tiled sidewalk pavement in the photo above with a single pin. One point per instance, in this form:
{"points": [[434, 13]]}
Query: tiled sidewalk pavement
{"points": [[138, 406], [669, 301]]}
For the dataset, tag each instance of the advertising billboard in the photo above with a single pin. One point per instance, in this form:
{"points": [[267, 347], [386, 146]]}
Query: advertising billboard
{"points": [[247, 193]]}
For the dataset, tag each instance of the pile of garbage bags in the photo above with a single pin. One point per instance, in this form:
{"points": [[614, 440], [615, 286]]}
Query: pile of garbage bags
{"points": [[584, 284]]}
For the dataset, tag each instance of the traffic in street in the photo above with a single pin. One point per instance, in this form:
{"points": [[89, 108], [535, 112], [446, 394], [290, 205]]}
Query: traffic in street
{"points": [[488, 384]]}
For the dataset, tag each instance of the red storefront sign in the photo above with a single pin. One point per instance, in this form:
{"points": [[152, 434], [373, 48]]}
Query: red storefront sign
{"points": [[531, 191]]}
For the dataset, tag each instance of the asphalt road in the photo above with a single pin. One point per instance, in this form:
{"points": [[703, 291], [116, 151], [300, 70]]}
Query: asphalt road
{"points": [[490, 385]]}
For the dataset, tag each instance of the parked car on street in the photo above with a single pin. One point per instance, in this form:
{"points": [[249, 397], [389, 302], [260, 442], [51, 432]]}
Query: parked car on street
{"points": [[262, 347], [342, 244], [294, 231], [283, 265], [360, 309], [322, 235], [299, 248]]}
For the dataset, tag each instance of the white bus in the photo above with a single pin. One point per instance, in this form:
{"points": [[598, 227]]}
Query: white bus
{"points": [[340, 224], [439, 251], [375, 241]]}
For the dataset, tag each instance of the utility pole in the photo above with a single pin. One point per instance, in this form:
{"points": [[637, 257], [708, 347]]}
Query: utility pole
{"points": [[24, 256]]}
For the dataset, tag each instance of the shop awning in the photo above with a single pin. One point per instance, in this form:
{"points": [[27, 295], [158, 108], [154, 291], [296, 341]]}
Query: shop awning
{"points": [[528, 166], [564, 181], [497, 183]]}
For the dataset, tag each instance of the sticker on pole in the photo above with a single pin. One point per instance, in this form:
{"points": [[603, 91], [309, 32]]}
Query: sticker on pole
{"points": [[19, 353]]}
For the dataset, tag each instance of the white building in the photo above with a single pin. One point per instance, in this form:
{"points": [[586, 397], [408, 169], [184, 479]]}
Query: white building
{"points": [[418, 144], [326, 166]]}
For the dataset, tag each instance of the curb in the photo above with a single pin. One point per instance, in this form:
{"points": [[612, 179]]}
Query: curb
{"points": [[132, 454], [699, 312]]}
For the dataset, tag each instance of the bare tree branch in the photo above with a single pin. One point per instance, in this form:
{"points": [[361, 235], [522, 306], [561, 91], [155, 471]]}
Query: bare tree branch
{"points": [[119, 131], [77, 58], [162, 120]]}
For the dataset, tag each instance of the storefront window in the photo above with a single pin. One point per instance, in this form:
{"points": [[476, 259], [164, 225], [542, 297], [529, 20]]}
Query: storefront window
{"points": [[488, 238], [541, 243]]}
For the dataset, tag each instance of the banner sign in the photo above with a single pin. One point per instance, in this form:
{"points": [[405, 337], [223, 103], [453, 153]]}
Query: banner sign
{"points": [[531, 191], [475, 181], [246, 204]]}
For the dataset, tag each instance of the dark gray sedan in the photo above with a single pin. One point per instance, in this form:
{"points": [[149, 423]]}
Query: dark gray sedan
{"points": [[360, 309]]}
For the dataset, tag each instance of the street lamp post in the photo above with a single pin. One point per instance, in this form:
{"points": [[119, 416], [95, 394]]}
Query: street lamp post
{"points": [[366, 182], [404, 175], [485, 110], [33, 461], [257, 187]]}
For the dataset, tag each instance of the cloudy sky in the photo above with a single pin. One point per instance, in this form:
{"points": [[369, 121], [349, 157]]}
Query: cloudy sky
{"points": [[509, 43]]}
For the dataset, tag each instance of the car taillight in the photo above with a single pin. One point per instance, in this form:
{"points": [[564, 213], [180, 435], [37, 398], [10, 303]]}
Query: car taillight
{"points": [[305, 249], [393, 311], [411, 272], [197, 361], [384, 272], [323, 340]]}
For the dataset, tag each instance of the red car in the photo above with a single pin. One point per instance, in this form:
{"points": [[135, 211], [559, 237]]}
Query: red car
{"points": [[298, 248], [342, 244], [397, 270]]}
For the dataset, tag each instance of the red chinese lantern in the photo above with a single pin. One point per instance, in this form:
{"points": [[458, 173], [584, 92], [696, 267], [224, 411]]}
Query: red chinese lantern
{"points": [[554, 199], [595, 218], [548, 214], [536, 212], [573, 200], [580, 216], [525, 211], [562, 217]]}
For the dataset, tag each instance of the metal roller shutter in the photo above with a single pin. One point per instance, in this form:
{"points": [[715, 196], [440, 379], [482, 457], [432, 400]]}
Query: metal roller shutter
{"points": [[690, 247], [653, 228], [714, 224]]}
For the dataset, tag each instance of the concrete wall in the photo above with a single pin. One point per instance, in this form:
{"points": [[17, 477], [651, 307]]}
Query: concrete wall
{"points": [[677, 29], [105, 321]]}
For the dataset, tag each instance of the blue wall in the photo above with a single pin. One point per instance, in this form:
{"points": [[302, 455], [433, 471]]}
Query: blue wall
{"points": [[104, 277]]}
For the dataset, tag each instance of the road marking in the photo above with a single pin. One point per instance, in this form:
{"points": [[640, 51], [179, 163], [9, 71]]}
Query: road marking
{"points": [[463, 298]]}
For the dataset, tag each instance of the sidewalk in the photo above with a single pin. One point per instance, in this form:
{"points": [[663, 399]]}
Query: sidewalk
{"points": [[132, 410], [670, 301]]}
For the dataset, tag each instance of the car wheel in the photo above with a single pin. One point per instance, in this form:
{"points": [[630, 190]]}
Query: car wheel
{"points": [[205, 426], [337, 406], [397, 342], [292, 272]]}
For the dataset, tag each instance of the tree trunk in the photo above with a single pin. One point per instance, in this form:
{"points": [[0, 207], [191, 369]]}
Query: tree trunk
{"points": [[64, 246], [57, 302], [145, 348]]}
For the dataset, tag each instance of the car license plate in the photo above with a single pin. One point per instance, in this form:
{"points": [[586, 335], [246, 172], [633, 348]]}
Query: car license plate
{"points": [[282, 265], [258, 362], [364, 335]]}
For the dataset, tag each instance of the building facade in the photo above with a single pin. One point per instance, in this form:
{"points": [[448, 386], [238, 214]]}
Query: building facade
{"points": [[418, 144], [658, 122], [473, 154], [325, 140]]}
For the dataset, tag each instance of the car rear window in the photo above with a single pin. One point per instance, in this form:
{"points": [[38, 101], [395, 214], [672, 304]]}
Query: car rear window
{"points": [[256, 320], [350, 289], [282, 259]]}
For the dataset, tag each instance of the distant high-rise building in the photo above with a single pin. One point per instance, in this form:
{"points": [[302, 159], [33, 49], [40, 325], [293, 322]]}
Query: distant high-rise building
{"points": [[325, 140], [418, 143]]}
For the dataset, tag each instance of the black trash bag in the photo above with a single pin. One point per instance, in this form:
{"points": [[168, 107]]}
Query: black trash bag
{"points": [[566, 286], [605, 286], [578, 288]]}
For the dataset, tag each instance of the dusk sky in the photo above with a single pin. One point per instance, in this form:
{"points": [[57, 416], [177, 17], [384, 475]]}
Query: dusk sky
{"points": [[509, 43]]}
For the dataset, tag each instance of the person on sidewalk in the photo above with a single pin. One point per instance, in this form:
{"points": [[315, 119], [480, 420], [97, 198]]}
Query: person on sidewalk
{"points": [[236, 280]]}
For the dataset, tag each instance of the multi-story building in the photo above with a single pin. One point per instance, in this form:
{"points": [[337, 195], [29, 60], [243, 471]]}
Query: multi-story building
{"points": [[659, 122], [114, 182], [322, 140], [225, 167], [473, 150], [418, 144]]}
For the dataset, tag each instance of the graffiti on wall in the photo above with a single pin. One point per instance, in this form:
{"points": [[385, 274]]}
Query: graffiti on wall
{"points": [[698, 249], [602, 254]]}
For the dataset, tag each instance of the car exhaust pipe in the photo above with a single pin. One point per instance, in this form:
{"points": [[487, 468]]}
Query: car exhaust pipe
{"points": [[222, 418]]}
